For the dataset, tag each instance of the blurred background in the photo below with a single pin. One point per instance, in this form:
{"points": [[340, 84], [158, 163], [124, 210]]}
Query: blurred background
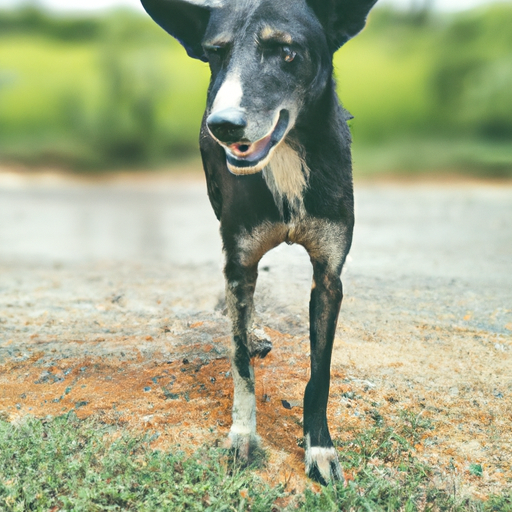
{"points": [[98, 86]]}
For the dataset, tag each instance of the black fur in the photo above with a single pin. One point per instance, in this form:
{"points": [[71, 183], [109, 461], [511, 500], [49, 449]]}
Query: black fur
{"points": [[276, 152]]}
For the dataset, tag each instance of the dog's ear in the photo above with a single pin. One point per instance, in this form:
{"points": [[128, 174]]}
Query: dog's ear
{"points": [[341, 19], [184, 20]]}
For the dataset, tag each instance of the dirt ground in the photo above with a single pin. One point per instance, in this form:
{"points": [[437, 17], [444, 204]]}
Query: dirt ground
{"points": [[111, 303]]}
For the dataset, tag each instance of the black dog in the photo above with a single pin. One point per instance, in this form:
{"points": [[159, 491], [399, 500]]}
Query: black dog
{"points": [[276, 153]]}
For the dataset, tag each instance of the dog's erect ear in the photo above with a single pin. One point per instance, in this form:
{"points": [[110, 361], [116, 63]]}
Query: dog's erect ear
{"points": [[341, 19], [184, 20]]}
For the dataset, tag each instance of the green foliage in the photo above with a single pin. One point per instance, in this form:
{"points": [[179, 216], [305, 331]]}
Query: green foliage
{"points": [[30, 19], [111, 101], [476, 469], [387, 476], [71, 464], [425, 89], [472, 76], [82, 465]]}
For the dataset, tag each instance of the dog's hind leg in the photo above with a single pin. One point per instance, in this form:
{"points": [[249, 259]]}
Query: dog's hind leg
{"points": [[240, 285], [259, 343], [321, 458]]}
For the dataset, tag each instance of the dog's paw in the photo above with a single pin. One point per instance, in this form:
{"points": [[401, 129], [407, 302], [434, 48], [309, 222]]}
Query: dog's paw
{"points": [[259, 343], [244, 447], [322, 465]]}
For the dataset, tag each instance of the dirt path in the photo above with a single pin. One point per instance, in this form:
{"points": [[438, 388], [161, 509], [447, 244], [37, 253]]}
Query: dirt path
{"points": [[111, 304]]}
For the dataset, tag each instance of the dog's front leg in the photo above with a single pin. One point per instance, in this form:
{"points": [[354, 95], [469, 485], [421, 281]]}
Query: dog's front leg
{"points": [[240, 285], [321, 459]]}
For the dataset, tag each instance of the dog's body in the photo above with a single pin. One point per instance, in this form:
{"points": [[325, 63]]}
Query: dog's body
{"points": [[276, 153]]}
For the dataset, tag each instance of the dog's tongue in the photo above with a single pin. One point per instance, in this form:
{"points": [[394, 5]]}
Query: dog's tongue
{"points": [[247, 151]]}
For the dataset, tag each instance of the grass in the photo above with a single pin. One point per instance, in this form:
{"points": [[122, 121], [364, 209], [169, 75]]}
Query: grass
{"points": [[82, 465], [64, 463]]}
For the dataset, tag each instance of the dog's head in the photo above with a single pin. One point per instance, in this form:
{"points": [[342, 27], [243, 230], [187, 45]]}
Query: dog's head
{"points": [[268, 58]]}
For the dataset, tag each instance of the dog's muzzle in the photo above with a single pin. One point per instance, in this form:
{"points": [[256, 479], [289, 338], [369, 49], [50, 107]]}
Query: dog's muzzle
{"points": [[243, 156]]}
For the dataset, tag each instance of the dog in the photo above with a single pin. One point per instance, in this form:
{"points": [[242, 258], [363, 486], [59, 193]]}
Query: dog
{"points": [[275, 147]]}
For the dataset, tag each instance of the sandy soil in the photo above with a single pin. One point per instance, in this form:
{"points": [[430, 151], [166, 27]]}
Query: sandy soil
{"points": [[111, 303]]}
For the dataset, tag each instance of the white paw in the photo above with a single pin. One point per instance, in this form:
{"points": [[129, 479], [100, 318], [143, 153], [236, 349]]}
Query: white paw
{"points": [[322, 464], [244, 445]]}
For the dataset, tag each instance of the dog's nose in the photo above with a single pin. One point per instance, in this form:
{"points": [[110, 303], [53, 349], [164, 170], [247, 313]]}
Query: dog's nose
{"points": [[228, 125]]}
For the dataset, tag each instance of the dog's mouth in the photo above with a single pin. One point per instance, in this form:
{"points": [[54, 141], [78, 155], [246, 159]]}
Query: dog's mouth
{"points": [[248, 158]]}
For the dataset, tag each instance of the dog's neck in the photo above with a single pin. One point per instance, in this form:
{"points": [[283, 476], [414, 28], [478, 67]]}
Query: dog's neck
{"points": [[287, 175], [287, 178]]}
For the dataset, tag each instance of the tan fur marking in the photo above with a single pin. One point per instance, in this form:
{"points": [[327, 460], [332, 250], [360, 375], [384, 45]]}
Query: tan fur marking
{"points": [[269, 33], [287, 176], [220, 39], [259, 241], [323, 239]]}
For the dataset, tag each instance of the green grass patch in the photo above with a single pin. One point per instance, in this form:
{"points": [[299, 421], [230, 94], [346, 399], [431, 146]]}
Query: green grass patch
{"points": [[64, 463], [84, 465]]}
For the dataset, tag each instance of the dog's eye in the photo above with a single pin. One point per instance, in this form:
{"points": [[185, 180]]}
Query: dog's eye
{"points": [[215, 50], [288, 53]]}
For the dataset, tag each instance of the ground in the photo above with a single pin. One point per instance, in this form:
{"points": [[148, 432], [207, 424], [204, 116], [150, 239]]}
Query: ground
{"points": [[112, 305]]}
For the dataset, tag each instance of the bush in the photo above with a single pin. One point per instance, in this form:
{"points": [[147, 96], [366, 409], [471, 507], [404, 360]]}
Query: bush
{"points": [[101, 92]]}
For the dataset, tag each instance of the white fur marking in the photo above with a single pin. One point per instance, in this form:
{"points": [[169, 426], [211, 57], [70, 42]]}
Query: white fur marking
{"points": [[240, 429], [325, 459], [230, 93], [244, 407]]}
